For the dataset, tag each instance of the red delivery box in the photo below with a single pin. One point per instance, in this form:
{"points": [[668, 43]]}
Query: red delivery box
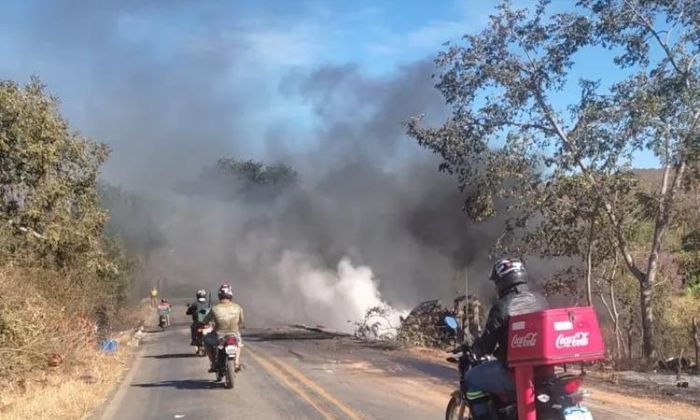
{"points": [[554, 336]]}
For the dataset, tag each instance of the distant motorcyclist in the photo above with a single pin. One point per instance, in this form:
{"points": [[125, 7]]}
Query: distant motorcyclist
{"points": [[514, 298], [227, 317], [198, 311], [164, 308]]}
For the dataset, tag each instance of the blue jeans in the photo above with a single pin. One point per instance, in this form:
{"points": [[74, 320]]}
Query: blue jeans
{"points": [[491, 377]]}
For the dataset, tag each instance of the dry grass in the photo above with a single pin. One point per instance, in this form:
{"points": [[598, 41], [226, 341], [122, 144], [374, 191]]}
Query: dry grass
{"points": [[37, 333], [65, 395], [69, 393], [50, 367]]}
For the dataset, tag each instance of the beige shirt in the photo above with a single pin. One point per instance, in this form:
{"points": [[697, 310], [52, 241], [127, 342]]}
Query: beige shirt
{"points": [[227, 317]]}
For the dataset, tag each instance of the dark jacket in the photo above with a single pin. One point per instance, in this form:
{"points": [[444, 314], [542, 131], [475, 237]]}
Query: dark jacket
{"points": [[517, 300], [195, 308]]}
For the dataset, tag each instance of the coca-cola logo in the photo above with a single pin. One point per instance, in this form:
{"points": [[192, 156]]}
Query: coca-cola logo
{"points": [[580, 339], [525, 340]]}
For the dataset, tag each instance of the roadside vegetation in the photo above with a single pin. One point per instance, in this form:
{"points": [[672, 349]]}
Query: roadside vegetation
{"points": [[568, 135], [71, 249], [63, 280]]}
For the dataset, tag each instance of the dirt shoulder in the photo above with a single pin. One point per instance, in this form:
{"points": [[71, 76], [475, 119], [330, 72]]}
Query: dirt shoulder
{"points": [[647, 387]]}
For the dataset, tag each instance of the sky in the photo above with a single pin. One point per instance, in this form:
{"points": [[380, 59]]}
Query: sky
{"points": [[131, 73], [173, 85]]}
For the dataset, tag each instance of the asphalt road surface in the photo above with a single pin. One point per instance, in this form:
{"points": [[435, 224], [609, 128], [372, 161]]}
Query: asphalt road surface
{"points": [[289, 374]]}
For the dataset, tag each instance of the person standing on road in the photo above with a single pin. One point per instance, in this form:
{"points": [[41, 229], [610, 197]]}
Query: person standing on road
{"points": [[154, 297], [227, 317]]}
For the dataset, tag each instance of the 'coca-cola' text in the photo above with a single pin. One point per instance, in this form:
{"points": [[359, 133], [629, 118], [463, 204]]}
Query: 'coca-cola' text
{"points": [[525, 340], [580, 339]]}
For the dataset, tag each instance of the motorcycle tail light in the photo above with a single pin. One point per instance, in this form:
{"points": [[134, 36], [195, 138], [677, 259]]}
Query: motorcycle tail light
{"points": [[231, 341], [572, 385]]}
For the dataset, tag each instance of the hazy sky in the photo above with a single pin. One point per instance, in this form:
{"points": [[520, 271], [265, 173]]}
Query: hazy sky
{"points": [[181, 82], [172, 85]]}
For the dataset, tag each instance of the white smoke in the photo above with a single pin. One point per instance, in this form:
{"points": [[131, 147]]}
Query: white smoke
{"points": [[337, 298]]}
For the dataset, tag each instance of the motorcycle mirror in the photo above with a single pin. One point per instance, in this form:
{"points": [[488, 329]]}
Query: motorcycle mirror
{"points": [[451, 322]]}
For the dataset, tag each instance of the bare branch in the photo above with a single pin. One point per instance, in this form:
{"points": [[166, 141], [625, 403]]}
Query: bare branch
{"points": [[617, 226], [657, 36]]}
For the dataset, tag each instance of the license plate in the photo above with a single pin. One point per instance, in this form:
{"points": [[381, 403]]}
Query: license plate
{"points": [[231, 350], [577, 413]]}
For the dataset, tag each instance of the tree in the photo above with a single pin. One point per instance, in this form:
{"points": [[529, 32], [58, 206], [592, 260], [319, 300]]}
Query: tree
{"points": [[49, 205], [505, 85], [231, 179], [571, 225]]}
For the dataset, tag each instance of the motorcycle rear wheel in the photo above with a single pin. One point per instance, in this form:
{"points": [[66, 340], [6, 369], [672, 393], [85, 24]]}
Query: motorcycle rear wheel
{"points": [[230, 375], [457, 408]]}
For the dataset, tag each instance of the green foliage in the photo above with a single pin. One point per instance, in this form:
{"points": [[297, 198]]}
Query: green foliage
{"points": [[688, 258], [48, 177], [567, 170], [674, 314], [56, 263]]}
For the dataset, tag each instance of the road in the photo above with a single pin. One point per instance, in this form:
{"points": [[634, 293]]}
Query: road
{"points": [[290, 374]]}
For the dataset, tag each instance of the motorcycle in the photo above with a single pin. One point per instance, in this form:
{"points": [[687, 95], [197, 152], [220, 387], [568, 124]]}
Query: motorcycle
{"points": [[201, 329], [558, 397], [162, 321], [225, 360]]}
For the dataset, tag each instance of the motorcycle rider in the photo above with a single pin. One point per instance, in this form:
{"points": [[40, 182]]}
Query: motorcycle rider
{"points": [[195, 311], [165, 308], [227, 317], [514, 298]]}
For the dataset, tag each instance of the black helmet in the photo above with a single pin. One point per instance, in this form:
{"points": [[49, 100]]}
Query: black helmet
{"points": [[508, 272], [201, 295]]}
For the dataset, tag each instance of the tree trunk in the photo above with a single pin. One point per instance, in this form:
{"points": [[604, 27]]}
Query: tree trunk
{"points": [[616, 326], [630, 336], [666, 201], [589, 255], [696, 341], [647, 289], [589, 272], [619, 339], [616, 323]]}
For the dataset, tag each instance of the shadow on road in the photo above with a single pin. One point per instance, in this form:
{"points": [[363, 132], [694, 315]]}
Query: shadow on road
{"points": [[187, 384], [171, 356], [427, 367], [292, 335]]}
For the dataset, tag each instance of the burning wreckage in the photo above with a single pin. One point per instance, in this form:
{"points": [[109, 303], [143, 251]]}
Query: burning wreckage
{"points": [[423, 325]]}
